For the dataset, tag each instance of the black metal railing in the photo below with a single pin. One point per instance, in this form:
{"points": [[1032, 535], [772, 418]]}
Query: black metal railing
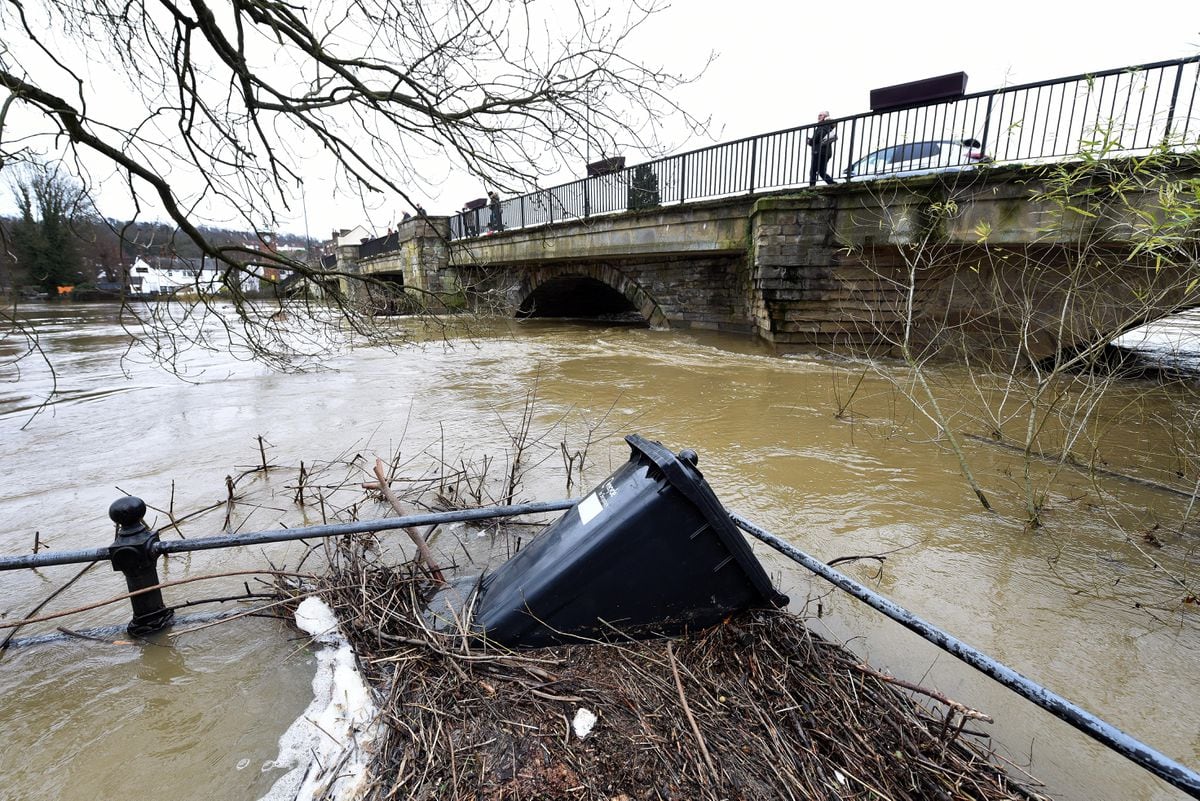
{"points": [[137, 547], [1121, 112]]}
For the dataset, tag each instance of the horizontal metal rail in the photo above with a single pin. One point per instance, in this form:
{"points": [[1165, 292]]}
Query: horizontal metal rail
{"points": [[291, 534], [1160, 765]]}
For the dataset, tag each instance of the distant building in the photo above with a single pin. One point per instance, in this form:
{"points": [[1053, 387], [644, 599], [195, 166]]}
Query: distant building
{"points": [[154, 276], [351, 236]]}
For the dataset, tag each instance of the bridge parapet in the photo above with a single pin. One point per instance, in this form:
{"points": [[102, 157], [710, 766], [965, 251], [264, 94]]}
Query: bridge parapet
{"points": [[987, 259], [713, 228]]}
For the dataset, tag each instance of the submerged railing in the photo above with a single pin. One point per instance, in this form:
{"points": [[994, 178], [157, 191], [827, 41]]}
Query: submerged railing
{"points": [[136, 548], [1119, 112]]}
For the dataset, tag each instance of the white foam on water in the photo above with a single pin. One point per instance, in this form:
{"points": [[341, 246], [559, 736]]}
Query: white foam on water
{"points": [[326, 749]]}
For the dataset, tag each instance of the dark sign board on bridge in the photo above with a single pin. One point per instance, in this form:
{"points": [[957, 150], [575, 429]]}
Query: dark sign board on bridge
{"points": [[606, 166], [926, 90]]}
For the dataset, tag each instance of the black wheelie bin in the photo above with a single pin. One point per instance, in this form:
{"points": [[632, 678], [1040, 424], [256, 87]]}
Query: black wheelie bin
{"points": [[650, 551]]}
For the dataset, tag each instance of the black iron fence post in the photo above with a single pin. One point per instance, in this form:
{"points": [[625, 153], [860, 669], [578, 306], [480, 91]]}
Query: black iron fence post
{"points": [[133, 553], [683, 178], [753, 161], [987, 123], [849, 157], [1174, 98]]}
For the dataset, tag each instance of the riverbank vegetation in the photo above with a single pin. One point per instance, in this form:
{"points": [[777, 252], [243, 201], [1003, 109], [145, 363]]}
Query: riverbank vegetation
{"points": [[1024, 361]]}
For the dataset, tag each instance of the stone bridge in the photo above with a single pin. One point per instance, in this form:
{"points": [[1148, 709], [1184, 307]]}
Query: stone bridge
{"points": [[979, 257]]}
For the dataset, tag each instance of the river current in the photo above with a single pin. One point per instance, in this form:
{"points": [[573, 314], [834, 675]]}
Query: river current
{"points": [[828, 453]]}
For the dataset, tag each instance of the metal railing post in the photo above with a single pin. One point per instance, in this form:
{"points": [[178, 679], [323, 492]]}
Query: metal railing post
{"points": [[850, 146], [987, 123], [1174, 98], [133, 553], [753, 161], [683, 177]]}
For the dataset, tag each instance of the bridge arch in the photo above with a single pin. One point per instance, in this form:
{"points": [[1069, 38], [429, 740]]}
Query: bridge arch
{"points": [[586, 291]]}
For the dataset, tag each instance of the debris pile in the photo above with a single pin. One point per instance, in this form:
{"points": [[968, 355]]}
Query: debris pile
{"points": [[755, 708]]}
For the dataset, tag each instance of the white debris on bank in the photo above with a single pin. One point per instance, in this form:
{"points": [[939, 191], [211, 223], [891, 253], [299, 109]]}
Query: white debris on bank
{"points": [[584, 722], [326, 749]]}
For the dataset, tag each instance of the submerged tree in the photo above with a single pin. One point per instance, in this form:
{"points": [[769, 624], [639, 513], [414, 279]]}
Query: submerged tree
{"points": [[223, 110], [1007, 349]]}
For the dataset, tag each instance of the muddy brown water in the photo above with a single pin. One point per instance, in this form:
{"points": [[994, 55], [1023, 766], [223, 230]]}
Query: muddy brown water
{"points": [[1076, 605]]}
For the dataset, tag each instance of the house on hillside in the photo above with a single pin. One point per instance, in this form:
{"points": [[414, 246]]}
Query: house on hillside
{"points": [[153, 276], [262, 275]]}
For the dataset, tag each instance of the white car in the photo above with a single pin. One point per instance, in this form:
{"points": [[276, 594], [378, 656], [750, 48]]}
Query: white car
{"points": [[918, 158]]}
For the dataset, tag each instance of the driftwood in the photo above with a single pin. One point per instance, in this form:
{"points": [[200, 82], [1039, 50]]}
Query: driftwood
{"points": [[16, 624], [1084, 467], [418, 540], [13, 629]]}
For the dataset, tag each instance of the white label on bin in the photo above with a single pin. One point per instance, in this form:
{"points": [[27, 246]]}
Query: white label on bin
{"points": [[589, 507]]}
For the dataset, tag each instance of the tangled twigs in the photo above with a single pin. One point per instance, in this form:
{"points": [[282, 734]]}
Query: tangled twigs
{"points": [[961, 709], [770, 711]]}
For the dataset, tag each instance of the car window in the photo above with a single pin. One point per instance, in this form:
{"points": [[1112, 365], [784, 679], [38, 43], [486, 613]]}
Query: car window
{"points": [[914, 151]]}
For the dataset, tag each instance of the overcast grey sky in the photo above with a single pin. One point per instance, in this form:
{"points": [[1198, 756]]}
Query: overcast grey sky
{"points": [[782, 62], [779, 62]]}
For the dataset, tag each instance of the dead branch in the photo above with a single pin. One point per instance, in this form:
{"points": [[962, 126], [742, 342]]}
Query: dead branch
{"points": [[422, 547]]}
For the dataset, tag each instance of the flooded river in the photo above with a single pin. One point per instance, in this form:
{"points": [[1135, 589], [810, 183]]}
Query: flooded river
{"points": [[826, 453]]}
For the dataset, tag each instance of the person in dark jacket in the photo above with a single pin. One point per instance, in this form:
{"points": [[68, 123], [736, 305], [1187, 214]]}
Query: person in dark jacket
{"points": [[821, 141], [497, 221]]}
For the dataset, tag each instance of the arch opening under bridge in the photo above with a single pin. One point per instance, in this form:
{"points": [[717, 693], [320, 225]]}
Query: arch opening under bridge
{"points": [[576, 295]]}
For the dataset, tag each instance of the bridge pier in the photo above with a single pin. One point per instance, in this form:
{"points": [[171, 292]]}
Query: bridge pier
{"points": [[413, 261]]}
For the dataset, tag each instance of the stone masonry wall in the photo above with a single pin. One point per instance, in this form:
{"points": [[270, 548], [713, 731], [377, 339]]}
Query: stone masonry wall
{"points": [[806, 291], [696, 292], [682, 292]]}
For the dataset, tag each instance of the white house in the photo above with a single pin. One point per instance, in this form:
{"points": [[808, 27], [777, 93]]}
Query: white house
{"points": [[149, 278]]}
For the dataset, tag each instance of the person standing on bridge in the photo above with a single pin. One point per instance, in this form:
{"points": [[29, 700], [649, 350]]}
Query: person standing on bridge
{"points": [[496, 223], [821, 141]]}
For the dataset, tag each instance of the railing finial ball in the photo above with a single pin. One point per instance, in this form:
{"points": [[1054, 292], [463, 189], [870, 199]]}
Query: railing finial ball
{"points": [[127, 512]]}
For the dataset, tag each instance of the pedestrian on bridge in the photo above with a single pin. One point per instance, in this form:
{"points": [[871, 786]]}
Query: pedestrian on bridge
{"points": [[496, 223], [821, 141]]}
